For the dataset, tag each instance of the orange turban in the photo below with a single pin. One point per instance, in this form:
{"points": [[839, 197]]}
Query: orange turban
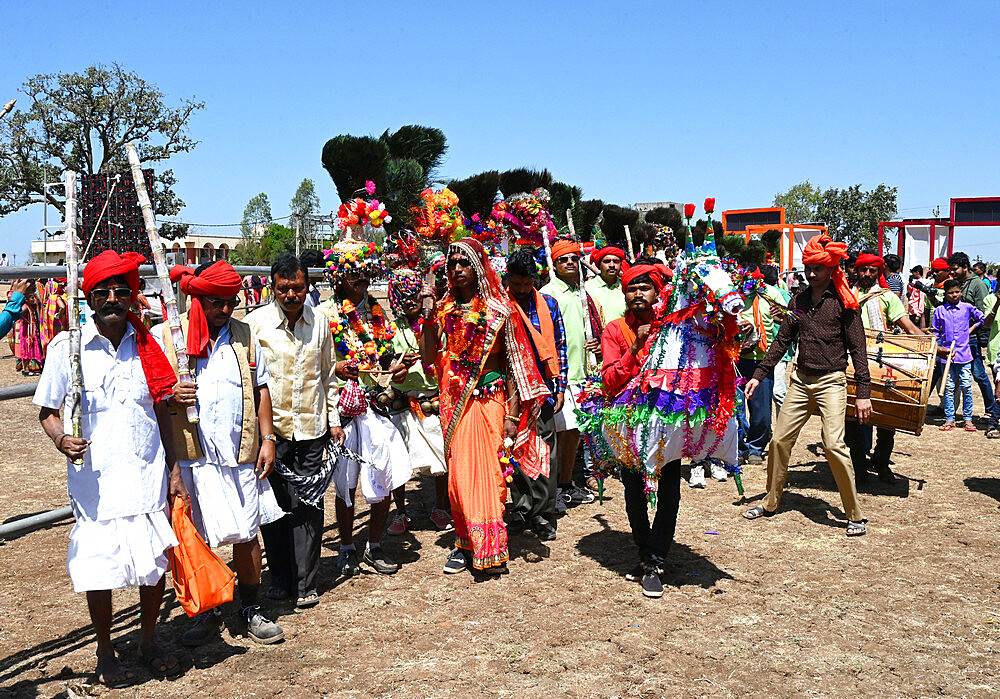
{"points": [[564, 247], [822, 250]]}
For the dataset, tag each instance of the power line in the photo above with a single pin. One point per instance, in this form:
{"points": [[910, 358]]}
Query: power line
{"points": [[220, 225]]}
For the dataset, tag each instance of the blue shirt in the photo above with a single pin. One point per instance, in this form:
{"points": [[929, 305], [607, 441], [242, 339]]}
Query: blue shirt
{"points": [[951, 324], [559, 331], [11, 312]]}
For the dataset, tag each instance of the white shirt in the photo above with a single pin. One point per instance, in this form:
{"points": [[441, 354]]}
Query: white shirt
{"points": [[304, 389], [124, 472], [220, 399]]}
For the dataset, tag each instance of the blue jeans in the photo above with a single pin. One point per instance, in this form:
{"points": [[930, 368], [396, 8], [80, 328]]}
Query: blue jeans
{"points": [[960, 375], [754, 422], [982, 378]]}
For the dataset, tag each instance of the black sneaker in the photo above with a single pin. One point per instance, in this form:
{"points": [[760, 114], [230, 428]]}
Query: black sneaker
{"points": [[206, 627], [261, 629], [347, 563], [543, 530], [652, 586], [635, 575], [581, 496], [457, 561], [378, 559]]}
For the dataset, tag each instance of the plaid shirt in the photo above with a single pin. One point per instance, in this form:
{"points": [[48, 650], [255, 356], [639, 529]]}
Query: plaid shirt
{"points": [[559, 330]]}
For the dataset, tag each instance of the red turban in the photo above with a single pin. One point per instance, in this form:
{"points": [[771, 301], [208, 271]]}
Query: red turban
{"points": [[159, 374], [822, 250], [658, 274], [940, 264], [757, 274], [598, 255], [866, 259], [218, 280], [564, 247]]}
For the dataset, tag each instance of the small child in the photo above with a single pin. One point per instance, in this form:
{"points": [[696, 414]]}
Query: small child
{"points": [[952, 323]]}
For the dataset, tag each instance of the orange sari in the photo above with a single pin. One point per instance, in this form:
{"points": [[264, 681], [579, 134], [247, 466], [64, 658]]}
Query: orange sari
{"points": [[473, 424]]}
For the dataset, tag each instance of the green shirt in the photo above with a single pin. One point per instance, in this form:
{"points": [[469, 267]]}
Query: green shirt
{"points": [[572, 312], [416, 380], [881, 312], [611, 298], [770, 328]]}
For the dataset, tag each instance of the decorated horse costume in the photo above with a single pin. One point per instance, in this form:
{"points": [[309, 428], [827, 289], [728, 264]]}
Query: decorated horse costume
{"points": [[681, 404]]}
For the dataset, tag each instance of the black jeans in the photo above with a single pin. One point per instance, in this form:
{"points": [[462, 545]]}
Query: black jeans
{"points": [[535, 499], [292, 544], [859, 442], [653, 541]]}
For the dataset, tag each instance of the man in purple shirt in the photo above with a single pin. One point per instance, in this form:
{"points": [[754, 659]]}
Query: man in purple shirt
{"points": [[952, 322]]}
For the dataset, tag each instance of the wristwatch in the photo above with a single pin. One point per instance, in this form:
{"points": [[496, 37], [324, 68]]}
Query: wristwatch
{"points": [[269, 437]]}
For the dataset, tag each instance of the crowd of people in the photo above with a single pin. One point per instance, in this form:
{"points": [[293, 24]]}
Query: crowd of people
{"points": [[477, 375]]}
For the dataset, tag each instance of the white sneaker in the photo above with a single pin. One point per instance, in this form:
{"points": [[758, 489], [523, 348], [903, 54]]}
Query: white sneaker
{"points": [[718, 473], [697, 479]]}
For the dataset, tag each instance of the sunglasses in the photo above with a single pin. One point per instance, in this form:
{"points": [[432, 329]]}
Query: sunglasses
{"points": [[568, 258], [452, 264], [104, 293], [216, 302]]}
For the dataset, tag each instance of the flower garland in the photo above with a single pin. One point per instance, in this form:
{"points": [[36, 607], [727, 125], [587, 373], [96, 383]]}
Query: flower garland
{"points": [[352, 338], [466, 339], [438, 217]]}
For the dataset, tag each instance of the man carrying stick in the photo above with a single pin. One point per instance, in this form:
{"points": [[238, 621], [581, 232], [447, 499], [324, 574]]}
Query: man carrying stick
{"points": [[828, 327], [119, 491], [223, 465]]}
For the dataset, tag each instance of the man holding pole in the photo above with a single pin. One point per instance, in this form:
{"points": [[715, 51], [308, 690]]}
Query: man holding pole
{"points": [[123, 467], [223, 463], [565, 289]]}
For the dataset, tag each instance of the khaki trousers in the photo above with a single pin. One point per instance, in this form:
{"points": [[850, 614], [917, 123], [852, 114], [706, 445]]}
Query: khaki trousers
{"points": [[806, 394]]}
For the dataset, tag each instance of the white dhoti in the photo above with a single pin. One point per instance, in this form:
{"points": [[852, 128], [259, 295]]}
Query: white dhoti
{"points": [[228, 505], [424, 441], [122, 552], [378, 441]]}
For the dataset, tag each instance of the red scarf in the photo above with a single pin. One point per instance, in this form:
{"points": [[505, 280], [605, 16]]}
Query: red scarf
{"points": [[218, 280], [159, 374]]}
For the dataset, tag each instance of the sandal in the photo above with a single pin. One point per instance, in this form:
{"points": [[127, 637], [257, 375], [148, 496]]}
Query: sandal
{"points": [[112, 674], [756, 512], [856, 529], [969, 427], [158, 662], [993, 432], [947, 427]]}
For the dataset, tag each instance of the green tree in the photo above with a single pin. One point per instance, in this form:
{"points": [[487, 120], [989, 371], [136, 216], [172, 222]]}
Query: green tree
{"points": [[304, 204], [82, 122], [800, 201], [852, 214], [254, 227]]}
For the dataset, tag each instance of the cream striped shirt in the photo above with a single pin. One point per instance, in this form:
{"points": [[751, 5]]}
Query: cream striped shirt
{"points": [[304, 388]]}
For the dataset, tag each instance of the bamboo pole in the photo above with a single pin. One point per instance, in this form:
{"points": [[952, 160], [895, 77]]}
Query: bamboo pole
{"points": [[947, 368], [160, 261], [75, 410], [548, 255], [628, 241], [588, 330]]}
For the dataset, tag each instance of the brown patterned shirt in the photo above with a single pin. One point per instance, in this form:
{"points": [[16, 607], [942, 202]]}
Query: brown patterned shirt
{"points": [[826, 332]]}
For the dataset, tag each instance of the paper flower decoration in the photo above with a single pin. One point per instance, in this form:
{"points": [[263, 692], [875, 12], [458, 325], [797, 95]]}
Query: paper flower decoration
{"points": [[370, 187], [688, 210]]}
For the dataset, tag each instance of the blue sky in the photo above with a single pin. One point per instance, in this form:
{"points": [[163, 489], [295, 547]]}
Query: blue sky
{"points": [[639, 101]]}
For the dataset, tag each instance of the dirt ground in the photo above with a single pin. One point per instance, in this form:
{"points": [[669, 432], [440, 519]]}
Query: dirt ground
{"points": [[786, 606]]}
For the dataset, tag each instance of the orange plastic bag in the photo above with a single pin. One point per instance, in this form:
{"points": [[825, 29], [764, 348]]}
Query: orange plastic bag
{"points": [[201, 580]]}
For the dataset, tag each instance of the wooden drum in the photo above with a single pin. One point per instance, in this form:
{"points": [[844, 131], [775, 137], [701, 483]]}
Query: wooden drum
{"points": [[901, 367]]}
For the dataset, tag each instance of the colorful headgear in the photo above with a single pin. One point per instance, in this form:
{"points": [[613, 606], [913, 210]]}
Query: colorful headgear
{"points": [[218, 280], [110, 264], [525, 217], [823, 250], [438, 216], [940, 264], [403, 284]]}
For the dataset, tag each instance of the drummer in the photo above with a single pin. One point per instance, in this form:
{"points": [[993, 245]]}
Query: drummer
{"points": [[881, 309]]}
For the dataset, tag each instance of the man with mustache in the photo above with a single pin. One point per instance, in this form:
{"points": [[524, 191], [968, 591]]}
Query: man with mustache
{"points": [[127, 467]]}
